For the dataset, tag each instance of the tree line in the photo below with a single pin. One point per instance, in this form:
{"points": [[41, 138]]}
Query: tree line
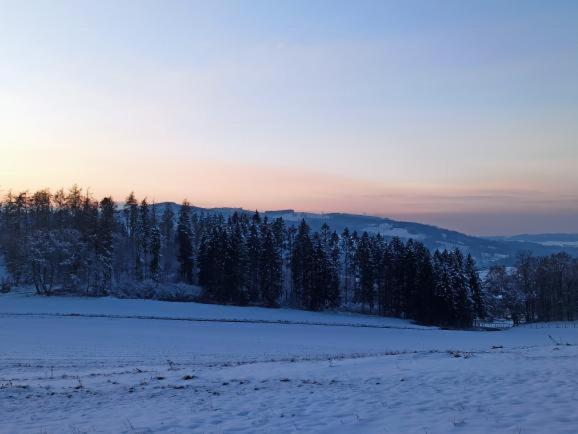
{"points": [[68, 242], [536, 289]]}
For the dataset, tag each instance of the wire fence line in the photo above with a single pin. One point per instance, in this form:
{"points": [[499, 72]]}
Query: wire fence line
{"points": [[504, 325], [550, 325]]}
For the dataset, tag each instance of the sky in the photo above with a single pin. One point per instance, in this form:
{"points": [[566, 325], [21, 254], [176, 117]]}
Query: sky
{"points": [[462, 114]]}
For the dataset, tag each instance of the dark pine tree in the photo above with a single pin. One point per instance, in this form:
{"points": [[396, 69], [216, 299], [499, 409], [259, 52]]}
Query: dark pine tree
{"points": [[168, 251], [253, 256], [475, 288], [234, 272], [184, 243], [462, 301], [105, 245], [317, 288], [131, 219], [270, 268], [333, 297], [301, 265], [155, 249], [348, 251], [365, 272], [424, 304]]}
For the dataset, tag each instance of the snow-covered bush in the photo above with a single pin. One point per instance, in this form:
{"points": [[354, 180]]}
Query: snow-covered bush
{"points": [[154, 291]]}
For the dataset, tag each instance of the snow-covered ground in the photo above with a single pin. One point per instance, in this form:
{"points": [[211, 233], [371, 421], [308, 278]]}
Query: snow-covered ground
{"points": [[111, 368], [26, 302]]}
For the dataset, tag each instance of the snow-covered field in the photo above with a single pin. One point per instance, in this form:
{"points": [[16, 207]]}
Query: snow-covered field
{"points": [[104, 365], [25, 302]]}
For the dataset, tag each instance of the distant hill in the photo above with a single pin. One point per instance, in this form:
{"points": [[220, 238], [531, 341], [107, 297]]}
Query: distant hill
{"points": [[560, 240], [486, 250]]}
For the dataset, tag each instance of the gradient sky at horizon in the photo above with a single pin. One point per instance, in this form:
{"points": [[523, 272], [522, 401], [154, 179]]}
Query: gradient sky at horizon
{"points": [[461, 114]]}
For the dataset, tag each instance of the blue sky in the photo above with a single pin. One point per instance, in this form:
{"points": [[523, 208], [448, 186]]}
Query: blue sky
{"points": [[458, 113]]}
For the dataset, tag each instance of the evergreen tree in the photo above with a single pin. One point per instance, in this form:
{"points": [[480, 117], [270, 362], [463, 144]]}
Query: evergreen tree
{"points": [[443, 296], [288, 269], [131, 218], [424, 302], [475, 288], [410, 291], [462, 302], [348, 252], [184, 242], [167, 233], [270, 268], [234, 273], [301, 265], [154, 245], [398, 288], [365, 271], [105, 245], [333, 297], [316, 289], [143, 239], [384, 280], [253, 257]]}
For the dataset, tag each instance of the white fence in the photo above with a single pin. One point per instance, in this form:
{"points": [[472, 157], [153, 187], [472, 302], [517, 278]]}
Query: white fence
{"points": [[493, 325]]}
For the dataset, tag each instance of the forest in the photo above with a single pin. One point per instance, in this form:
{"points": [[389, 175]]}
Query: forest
{"points": [[68, 242]]}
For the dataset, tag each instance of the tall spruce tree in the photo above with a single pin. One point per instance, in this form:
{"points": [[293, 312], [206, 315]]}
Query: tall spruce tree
{"points": [[365, 272], [184, 242], [253, 257], [131, 220], [270, 268], [234, 272], [105, 246], [316, 290], [333, 297], [168, 250], [475, 288], [348, 253], [301, 265], [154, 245], [459, 285], [424, 302], [143, 239]]}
